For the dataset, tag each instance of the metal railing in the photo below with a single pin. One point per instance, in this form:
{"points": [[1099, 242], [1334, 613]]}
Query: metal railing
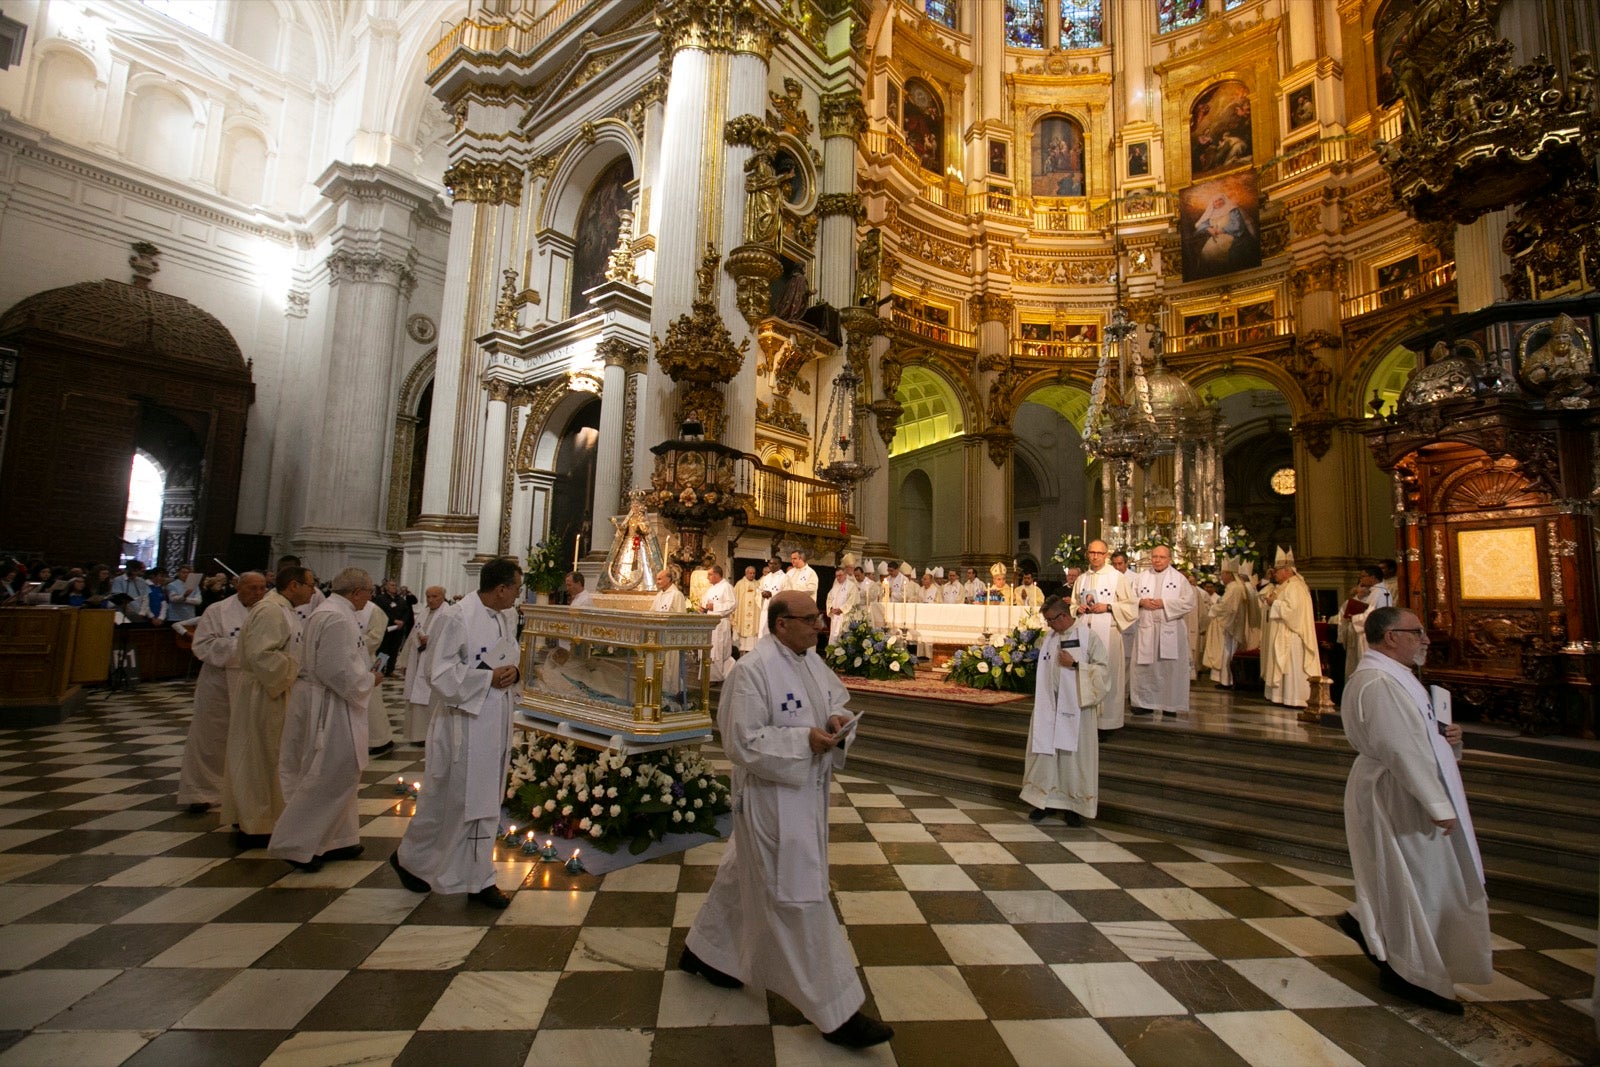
{"points": [[934, 331], [788, 501], [1022, 348], [1389, 295], [515, 36], [1179, 342]]}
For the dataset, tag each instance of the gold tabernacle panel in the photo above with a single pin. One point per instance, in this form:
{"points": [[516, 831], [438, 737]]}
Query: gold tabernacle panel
{"points": [[1499, 564], [617, 679]]}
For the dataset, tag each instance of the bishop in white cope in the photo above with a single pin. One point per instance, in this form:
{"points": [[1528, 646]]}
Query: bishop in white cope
{"points": [[1420, 910], [1103, 597], [843, 596], [767, 920], [417, 659], [1225, 631], [1061, 771], [1293, 636], [216, 645], [1160, 680], [449, 844], [325, 731]]}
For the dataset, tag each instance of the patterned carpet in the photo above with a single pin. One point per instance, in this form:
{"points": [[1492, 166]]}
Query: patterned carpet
{"points": [[132, 933]]}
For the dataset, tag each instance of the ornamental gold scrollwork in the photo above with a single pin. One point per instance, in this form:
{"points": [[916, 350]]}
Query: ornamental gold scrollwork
{"points": [[790, 111], [842, 204], [484, 182], [842, 114], [715, 26], [699, 352]]}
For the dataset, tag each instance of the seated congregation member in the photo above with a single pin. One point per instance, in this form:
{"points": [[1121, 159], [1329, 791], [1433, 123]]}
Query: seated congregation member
{"points": [[1061, 771], [182, 602], [449, 844], [216, 646], [325, 732]]}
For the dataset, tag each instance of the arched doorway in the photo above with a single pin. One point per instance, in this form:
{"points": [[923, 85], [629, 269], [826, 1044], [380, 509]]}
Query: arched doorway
{"points": [[916, 518], [1049, 455], [1258, 459], [572, 491], [105, 369]]}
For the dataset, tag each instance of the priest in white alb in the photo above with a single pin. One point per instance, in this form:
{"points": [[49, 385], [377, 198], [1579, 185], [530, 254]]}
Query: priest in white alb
{"points": [[1061, 771], [773, 582], [449, 844], [843, 596], [1293, 634], [767, 920], [268, 663], [374, 623], [1369, 594], [1420, 913], [801, 576], [719, 602], [216, 645], [417, 659], [1160, 680], [1103, 597], [1225, 629], [670, 601], [325, 731]]}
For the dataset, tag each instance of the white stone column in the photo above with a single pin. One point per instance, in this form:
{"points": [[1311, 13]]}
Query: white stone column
{"points": [[842, 119], [1481, 262], [747, 95], [491, 494], [608, 456]]}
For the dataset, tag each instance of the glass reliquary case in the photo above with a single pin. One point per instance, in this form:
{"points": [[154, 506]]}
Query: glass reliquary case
{"points": [[616, 679]]}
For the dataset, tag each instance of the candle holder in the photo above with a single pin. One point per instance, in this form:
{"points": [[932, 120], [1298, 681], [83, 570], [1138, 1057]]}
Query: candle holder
{"points": [[548, 853], [529, 845], [510, 836], [414, 790], [400, 787], [574, 865]]}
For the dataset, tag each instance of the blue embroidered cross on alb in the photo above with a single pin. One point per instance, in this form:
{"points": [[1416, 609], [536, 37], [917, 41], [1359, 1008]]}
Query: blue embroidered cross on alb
{"points": [[791, 703]]}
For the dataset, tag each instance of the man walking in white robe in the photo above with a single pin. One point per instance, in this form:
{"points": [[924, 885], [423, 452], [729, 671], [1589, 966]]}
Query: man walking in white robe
{"points": [[1160, 679], [216, 645], [417, 659], [1103, 596], [719, 601], [767, 920], [269, 661], [1061, 771], [1293, 633], [449, 844], [325, 731], [1420, 913], [1226, 628], [773, 582], [374, 624]]}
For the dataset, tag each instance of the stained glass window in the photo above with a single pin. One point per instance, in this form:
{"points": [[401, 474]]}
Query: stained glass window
{"points": [[1025, 23], [1081, 24], [941, 11], [1229, 5], [1176, 14]]}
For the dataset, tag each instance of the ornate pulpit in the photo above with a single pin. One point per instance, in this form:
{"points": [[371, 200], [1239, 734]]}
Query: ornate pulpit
{"points": [[1493, 450]]}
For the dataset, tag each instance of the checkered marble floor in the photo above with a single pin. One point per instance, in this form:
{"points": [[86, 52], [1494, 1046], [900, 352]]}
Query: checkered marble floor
{"points": [[134, 933]]}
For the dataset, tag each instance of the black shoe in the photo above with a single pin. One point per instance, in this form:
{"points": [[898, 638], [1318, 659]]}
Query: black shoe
{"points": [[860, 1031], [197, 809], [1037, 815], [689, 963], [1102, 735], [379, 750], [407, 879], [1073, 818], [1352, 930], [349, 852], [493, 897], [245, 842], [1141, 711], [1172, 713], [311, 866], [1391, 982]]}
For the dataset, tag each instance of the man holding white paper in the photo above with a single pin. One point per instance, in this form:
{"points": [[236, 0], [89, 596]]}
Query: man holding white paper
{"points": [[1061, 771], [449, 844], [1421, 913]]}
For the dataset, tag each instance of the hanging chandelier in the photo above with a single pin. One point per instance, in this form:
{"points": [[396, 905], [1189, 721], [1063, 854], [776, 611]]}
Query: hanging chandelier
{"points": [[1123, 431], [839, 460]]}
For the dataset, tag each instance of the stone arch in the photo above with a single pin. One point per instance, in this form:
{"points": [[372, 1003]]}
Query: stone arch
{"points": [[408, 456], [161, 119], [245, 164], [66, 93], [581, 162], [257, 30], [927, 397], [104, 368], [1271, 372], [914, 510], [1058, 155], [551, 408], [1370, 363]]}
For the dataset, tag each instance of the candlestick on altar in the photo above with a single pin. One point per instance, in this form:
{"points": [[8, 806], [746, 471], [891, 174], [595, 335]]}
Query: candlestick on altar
{"points": [[576, 539]]}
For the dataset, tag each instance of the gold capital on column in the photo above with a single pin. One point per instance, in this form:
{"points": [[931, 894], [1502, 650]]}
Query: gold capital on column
{"points": [[842, 114], [716, 26], [992, 307], [615, 352], [484, 182], [842, 204]]}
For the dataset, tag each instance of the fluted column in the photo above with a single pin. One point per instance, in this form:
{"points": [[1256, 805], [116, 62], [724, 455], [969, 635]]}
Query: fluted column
{"points": [[491, 496], [843, 118], [746, 84], [617, 354]]}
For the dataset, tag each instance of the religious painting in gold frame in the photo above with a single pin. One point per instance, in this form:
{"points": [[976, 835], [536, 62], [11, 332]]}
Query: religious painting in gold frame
{"points": [[1499, 563]]}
